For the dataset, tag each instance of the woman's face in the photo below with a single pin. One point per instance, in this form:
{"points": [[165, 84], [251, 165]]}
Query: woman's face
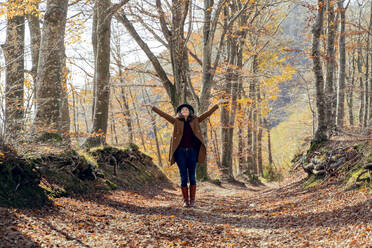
{"points": [[185, 112]]}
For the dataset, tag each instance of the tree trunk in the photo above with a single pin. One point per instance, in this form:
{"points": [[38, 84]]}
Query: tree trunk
{"points": [[254, 141], [321, 133], [259, 135], [208, 68], [49, 93], [65, 113], [329, 90], [74, 113], [123, 100], [241, 147], [127, 115], [82, 104], [202, 169], [370, 78], [350, 91], [137, 120], [178, 48], [368, 88], [227, 114], [342, 71], [360, 77], [251, 120], [113, 126], [102, 75], [154, 128], [214, 140], [14, 75], [366, 85], [94, 45], [35, 34], [226, 166], [270, 156], [259, 150]]}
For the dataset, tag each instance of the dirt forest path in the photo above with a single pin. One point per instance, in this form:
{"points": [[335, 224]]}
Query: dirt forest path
{"points": [[275, 215]]}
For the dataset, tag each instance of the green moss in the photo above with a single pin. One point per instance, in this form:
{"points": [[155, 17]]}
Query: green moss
{"points": [[94, 149], [88, 157], [315, 144], [68, 183], [54, 193], [351, 177], [111, 185], [351, 173], [19, 185], [313, 181]]}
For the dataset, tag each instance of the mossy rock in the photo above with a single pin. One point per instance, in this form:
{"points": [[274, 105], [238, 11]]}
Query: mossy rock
{"points": [[313, 180], [357, 178], [134, 168], [19, 185], [67, 182], [54, 192], [314, 145]]}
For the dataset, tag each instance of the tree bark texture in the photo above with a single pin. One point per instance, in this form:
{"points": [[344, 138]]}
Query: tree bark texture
{"points": [[49, 92]]}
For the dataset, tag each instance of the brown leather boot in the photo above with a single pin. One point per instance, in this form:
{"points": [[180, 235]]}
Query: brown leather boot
{"points": [[185, 194], [192, 195]]}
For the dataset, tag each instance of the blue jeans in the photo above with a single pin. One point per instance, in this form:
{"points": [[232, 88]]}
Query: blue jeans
{"points": [[186, 159]]}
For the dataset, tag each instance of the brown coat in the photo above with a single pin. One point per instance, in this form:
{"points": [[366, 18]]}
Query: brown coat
{"points": [[178, 131]]}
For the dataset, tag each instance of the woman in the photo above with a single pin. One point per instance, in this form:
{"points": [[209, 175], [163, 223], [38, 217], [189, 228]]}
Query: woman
{"points": [[187, 146]]}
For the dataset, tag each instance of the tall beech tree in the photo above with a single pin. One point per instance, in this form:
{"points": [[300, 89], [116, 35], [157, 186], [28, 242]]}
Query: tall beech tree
{"points": [[317, 29], [14, 60], [101, 34], [342, 70], [330, 95], [49, 92]]}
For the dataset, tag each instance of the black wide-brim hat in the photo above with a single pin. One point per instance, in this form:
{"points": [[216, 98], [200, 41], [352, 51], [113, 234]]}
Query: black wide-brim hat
{"points": [[185, 105]]}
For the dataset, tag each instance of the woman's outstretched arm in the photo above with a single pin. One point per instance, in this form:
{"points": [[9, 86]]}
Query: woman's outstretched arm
{"points": [[166, 116], [205, 115]]}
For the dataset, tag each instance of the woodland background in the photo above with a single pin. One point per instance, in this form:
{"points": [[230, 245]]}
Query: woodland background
{"points": [[84, 164], [294, 71]]}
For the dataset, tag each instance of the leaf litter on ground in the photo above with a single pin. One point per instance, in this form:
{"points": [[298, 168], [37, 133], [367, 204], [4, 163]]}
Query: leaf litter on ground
{"points": [[275, 215]]}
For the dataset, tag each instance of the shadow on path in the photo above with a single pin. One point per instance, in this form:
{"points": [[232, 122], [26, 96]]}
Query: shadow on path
{"points": [[10, 236], [209, 214]]}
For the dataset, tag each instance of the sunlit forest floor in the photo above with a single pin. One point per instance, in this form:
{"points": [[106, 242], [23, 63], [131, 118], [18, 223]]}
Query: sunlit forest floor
{"points": [[275, 215]]}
